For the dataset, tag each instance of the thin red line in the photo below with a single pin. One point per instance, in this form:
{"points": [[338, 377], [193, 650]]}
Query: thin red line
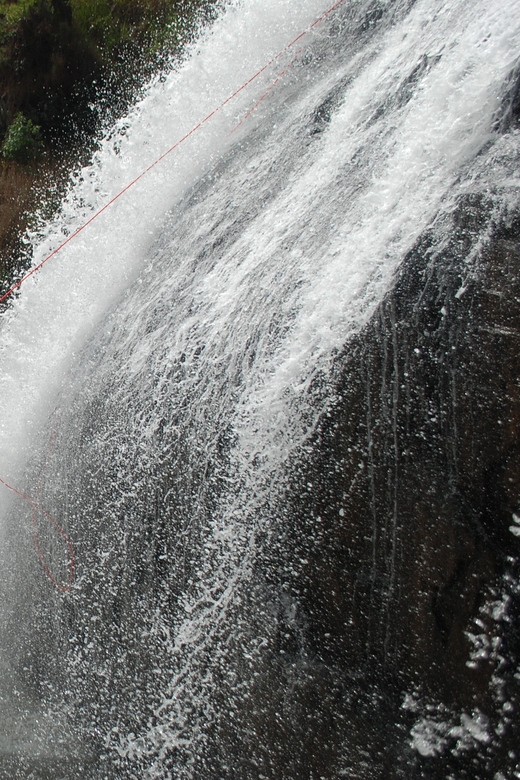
{"points": [[40, 555], [36, 506], [275, 82], [171, 149], [33, 502]]}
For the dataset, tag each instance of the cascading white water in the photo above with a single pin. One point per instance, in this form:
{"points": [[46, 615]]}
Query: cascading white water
{"points": [[180, 333]]}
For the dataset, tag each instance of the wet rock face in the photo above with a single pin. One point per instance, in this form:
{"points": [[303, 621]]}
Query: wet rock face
{"points": [[402, 531], [509, 116]]}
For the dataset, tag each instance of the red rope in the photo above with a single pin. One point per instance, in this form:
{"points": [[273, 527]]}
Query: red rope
{"points": [[176, 145], [36, 507], [33, 501], [275, 82]]}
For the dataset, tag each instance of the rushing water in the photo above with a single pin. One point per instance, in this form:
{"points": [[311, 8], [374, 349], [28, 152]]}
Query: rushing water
{"points": [[174, 348]]}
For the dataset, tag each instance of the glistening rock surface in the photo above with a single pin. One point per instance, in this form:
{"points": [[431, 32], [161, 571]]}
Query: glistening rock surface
{"points": [[403, 539]]}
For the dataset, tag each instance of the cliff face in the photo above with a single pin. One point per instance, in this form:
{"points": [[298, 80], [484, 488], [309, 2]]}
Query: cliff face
{"points": [[389, 598], [426, 434], [404, 557], [392, 579]]}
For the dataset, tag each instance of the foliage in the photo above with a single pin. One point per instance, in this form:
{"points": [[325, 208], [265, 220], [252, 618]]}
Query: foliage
{"points": [[57, 54], [142, 27], [22, 140], [67, 67], [13, 12], [107, 24]]}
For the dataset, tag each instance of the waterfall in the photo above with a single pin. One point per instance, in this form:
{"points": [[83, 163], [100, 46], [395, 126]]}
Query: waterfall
{"points": [[180, 354]]}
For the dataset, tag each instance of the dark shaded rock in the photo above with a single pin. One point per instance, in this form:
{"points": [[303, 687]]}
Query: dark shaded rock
{"points": [[400, 528], [509, 115]]}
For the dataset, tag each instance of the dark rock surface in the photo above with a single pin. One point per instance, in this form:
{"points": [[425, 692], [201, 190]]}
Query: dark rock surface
{"points": [[403, 536]]}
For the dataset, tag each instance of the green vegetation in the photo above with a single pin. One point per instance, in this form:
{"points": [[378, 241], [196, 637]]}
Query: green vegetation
{"points": [[58, 58], [56, 55], [114, 24], [22, 140]]}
